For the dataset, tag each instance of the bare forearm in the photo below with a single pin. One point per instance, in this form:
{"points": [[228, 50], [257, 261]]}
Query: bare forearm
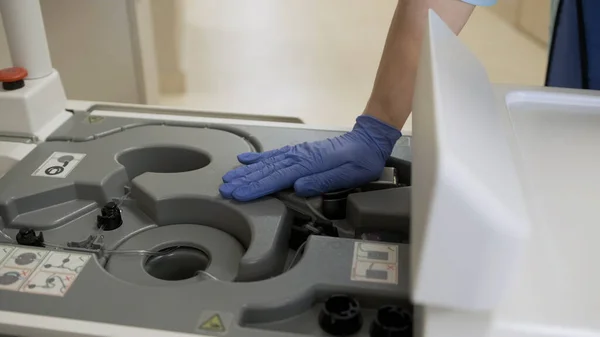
{"points": [[391, 98]]}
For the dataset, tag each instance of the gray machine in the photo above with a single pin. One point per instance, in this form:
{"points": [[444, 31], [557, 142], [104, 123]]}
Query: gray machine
{"points": [[119, 220]]}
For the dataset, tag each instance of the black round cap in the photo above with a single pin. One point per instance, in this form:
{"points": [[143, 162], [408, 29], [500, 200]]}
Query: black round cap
{"points": [[9, 86], [13, 78], [27, 237], [339, 194], [340, 316], [392, 321], [110, 217]]}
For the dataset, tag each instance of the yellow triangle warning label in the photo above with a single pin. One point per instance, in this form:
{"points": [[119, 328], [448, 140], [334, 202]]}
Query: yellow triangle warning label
{"points": [[214, 323], [95, 119]]}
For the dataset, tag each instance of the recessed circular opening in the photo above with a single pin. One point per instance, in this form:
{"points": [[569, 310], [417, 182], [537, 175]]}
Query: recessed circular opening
{"points": [[341, 305], [340, 316], [177, 263], [394, 318], [162, 159]]}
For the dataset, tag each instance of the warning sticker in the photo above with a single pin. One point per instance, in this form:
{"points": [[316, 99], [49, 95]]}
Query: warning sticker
{"points": [[94, 119], [375, 262], [214, 322], [39, 271], [59, 165]]}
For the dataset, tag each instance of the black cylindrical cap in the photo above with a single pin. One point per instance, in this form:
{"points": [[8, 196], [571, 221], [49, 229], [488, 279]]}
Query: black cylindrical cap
{"points": [[339, 194], [340, 316], [334, 204], [27, 237], [392, 321], [13, 78], [110, 217], [8, 86]]}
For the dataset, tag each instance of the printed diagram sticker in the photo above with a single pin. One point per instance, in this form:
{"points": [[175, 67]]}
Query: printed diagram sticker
{"points": [[39, 271], [59, 165], [55, 275], [375, 262]]}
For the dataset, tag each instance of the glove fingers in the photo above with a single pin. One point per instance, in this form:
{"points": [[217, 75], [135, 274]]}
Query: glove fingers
{"points": [[227, 189], [268, 169], [243, 171], [345, 176], [253, 157], [265, 170], [274, 182]]}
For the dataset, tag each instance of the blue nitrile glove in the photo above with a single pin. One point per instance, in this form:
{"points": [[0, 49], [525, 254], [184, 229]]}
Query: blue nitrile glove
{"points": [[346, 161]]}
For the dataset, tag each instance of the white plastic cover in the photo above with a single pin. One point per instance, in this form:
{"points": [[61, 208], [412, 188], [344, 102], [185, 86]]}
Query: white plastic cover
{"points": [[469, 220]]}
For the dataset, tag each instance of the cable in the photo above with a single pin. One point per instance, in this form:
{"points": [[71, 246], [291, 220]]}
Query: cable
{"points": [[298, 251], [207, 274], [120, 200], [75, 249], [313, 229], [95, 251], [7, 237], [141, 251], [114, 251], [315, 211], [132, 252]]}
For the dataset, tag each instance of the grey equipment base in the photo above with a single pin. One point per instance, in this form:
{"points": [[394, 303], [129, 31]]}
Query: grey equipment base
{"points": [[164, 177]]}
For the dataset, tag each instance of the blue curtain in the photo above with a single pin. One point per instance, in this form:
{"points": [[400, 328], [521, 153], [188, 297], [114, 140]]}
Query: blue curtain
{"points": [[574, 58]]}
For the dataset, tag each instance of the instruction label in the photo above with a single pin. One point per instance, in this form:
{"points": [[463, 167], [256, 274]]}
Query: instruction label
{"points": [[59, 165], [39, 271], [5, 252], [375, 262], [214, 322]]}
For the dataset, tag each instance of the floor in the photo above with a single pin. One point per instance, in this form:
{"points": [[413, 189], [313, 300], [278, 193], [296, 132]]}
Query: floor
{"points": [[316, 59]]}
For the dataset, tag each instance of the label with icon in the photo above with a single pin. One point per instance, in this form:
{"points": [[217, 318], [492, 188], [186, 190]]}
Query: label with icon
{"points": [[59, 165]]}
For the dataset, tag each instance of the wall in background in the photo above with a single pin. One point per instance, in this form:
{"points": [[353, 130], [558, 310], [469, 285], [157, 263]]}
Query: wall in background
{"points": [[531, 17], [168, 30], [4, 53], [294, 57], [96, 47]]}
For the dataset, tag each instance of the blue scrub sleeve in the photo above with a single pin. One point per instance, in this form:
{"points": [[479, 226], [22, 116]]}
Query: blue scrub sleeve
{"points": [[481, 2]]}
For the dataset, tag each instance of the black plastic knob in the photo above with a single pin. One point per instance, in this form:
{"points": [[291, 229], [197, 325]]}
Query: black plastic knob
{"points": [[392, 321], [9, 86], [27, 237], [341, 316], [334, 204], [110, 217], [13, 78]]}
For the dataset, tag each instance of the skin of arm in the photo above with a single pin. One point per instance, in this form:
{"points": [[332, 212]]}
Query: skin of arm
{"points": [[391, 98]]}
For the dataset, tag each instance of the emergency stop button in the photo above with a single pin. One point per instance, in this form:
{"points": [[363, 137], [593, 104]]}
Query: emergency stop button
{"points": [[13, 78]]}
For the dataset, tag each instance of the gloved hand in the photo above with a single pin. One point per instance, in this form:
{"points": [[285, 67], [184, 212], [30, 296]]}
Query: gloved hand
{"points": [[346, 161]]}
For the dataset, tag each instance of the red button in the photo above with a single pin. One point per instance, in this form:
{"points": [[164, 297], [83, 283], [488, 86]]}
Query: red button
{"points": [[12, 74]]}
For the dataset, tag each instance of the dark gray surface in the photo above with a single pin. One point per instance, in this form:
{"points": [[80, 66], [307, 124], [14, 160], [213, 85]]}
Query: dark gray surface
{"points": [[225, 253], [174, 174], [383, 210], [263, 298], [307, 322], [55, 215], [79, 129]]}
